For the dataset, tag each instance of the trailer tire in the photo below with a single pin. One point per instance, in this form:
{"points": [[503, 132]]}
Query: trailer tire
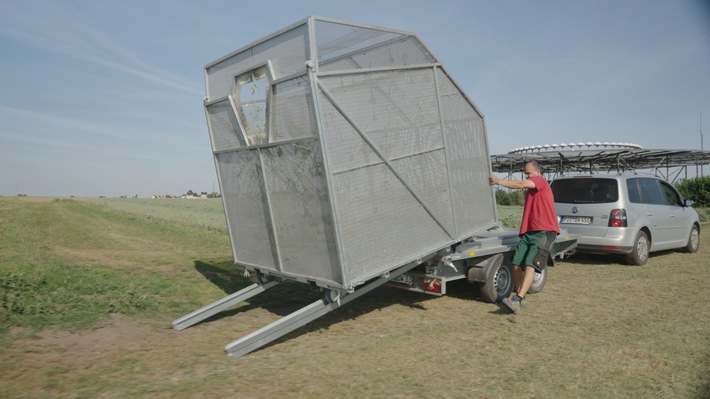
{"points": [[538, 282], [498, 284]]}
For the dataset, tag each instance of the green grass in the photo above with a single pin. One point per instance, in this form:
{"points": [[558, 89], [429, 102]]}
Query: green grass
{"points": [[510, 215], [68, 263], [98, 288], [205, 212], [704, 214]]}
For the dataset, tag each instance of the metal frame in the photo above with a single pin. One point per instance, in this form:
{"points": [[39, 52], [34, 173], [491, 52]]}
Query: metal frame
{"points": [[350, 287], [377, 152], [605, 160]]}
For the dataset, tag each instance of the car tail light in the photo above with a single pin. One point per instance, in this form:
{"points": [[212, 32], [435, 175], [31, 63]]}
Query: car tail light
{"points": [[617, 218]]}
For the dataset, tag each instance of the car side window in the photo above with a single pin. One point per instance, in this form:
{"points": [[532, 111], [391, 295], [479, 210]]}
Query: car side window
{"points": [[670, 194], [632, 186], [651, 192]]}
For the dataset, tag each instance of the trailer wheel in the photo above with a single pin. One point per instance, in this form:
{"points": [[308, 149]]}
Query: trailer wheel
{"points": [[538, 282], [498, 284]]}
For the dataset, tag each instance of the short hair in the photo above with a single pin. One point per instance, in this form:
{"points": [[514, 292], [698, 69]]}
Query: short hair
{"points": [[535, 165]]}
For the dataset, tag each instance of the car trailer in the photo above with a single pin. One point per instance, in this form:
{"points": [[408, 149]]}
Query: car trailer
{"points": [[349, 158], [483, 259]]}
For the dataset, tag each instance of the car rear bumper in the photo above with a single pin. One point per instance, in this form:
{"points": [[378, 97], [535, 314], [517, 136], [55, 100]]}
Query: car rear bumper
{"points": [[616, 241], [604, 249]]}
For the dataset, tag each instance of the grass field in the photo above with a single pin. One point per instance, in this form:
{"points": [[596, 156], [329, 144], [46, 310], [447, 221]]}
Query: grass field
{"points": [[89, 289]]}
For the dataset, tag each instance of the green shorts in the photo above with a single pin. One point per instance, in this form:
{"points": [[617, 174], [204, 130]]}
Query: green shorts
{"points": [[527, 249]]}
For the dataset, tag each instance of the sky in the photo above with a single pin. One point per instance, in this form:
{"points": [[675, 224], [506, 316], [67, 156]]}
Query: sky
{"points": [[104, 98]]}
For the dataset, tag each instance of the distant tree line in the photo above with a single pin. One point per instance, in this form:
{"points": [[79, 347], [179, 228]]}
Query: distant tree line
{"points": [[696, 189], [516, 197]]}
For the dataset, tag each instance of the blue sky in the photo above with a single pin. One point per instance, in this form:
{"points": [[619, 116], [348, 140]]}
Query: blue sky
{"points": [[105, 97]]}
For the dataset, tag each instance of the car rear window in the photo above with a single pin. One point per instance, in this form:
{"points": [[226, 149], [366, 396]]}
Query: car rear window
{"points": [[588, 190]]}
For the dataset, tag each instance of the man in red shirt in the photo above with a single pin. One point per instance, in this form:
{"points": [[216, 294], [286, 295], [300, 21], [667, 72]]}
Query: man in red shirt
{"points": [[538, 229]]}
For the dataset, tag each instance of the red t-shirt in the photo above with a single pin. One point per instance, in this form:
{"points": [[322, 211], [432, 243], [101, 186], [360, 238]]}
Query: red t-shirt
{"points": [[539, 212]]}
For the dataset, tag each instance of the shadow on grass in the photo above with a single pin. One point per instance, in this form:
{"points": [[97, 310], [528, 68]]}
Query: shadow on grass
{"points": [[462, 289], [704, 392], [609, 259], [595, 259], [224, 274], [378, 299], [290, 296], [281, 299]]}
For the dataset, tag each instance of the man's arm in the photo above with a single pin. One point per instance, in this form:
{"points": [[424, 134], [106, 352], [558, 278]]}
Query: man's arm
{"points": [[519, 184]]}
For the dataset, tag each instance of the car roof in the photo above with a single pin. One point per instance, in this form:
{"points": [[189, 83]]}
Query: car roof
{"points": [[599, 176]]}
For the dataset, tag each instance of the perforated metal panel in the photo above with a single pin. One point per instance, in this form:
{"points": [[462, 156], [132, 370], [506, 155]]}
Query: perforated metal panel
{"points": [[343, 46], [293, 114], [371, 156], [223, 126]]}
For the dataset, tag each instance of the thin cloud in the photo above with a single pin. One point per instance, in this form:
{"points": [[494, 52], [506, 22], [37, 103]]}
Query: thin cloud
{"points": [[37, 119], [73, 39], [83, 148], [37, 122]]}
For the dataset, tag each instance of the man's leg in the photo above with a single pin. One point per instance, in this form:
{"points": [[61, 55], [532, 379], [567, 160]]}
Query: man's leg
{"points": [[528, 274], [520, 275], [519, 256], [518, 278], [528, 277], [522, 285]]}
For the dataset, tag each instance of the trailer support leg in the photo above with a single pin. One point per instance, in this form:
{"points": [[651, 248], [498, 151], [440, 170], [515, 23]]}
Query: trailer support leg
{"points": [[224, 303]]}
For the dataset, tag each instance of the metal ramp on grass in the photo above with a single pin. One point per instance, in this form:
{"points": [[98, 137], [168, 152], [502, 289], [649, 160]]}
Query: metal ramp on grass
{"points": [[255, 340]]}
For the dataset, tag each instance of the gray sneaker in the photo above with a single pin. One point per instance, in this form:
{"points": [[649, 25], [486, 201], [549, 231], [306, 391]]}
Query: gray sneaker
{"points": [[514, 304], [523, 302]]}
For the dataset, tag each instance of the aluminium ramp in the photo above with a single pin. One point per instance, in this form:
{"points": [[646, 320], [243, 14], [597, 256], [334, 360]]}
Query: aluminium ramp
{"points": [[331, 301], [223, 304]]}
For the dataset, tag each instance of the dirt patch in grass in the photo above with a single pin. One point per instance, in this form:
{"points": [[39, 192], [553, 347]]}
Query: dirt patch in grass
{"points": [[50, 363], [84, 349]]}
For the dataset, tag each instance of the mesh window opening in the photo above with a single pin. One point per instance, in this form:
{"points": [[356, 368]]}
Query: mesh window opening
{"points": [[252, 90]]}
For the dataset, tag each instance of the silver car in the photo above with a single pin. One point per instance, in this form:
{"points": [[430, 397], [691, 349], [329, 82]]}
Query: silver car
{"points": [[626, 214]]}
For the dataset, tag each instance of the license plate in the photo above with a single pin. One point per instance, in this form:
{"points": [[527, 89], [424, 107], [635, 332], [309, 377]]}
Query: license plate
{"points": [[576, 220], [406, 279]]}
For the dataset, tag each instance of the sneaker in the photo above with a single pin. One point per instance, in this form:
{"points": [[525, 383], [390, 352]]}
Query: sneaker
{"points": [[523, 303], [514, 303]]}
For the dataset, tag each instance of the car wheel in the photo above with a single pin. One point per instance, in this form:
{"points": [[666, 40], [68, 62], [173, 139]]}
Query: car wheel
{"points": [[538, 282], [693, 240], [499, 285], [639, 254]]}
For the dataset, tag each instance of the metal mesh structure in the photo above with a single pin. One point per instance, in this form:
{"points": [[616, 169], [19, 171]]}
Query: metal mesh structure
{"points": [[344, 151]]}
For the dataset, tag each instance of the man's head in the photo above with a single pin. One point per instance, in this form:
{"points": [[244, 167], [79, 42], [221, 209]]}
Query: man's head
{"points": [[532, 168]]}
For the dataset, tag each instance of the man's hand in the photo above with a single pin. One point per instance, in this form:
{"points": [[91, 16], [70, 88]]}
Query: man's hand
{"points": [[493, 180]]}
